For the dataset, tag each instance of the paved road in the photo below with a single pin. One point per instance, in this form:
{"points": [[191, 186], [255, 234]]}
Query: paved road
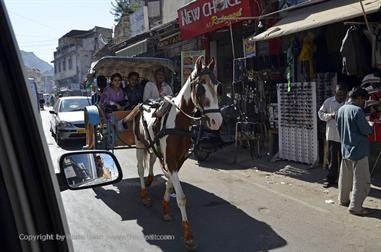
{"points": [[232, 207]]}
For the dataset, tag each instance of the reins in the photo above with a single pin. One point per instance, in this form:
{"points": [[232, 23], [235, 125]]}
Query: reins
{"points": [[154, 144]]}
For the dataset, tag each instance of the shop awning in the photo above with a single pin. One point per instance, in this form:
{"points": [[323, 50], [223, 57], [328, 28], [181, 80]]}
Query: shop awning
{"points": [[133, 50], [318, 15]]}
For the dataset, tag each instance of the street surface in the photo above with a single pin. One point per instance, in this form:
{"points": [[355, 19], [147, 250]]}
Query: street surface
{"points": [[248, 206]]}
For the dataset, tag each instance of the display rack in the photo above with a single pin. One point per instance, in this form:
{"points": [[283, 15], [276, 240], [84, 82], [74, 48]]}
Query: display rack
{"points": [[297, 122]]}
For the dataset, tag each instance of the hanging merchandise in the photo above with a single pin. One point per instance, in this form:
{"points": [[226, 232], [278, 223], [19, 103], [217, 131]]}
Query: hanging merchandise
{"points": [[374, 36], [372, 84], [306, 56], [325, 85], [297, 123], [292, 52], [356, 52]]}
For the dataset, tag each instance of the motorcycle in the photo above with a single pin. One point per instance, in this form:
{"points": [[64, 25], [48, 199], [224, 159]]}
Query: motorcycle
{"points": [[208, 141]]}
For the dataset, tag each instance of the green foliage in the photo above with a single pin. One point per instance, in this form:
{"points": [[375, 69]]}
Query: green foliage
{"points": [[120, 7]]}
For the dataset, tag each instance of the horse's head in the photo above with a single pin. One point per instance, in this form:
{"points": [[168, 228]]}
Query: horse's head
{"points": [[205, 90]]}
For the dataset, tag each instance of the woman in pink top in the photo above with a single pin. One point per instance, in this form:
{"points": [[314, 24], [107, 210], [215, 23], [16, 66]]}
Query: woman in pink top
{"points": [[113, 97]]}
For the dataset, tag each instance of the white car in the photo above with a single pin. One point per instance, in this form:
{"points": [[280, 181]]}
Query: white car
{"points": [[67, 120]]}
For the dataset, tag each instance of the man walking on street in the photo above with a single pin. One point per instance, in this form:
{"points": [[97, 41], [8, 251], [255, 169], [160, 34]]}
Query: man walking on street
{"points": [[354, 171], [327, 113]]}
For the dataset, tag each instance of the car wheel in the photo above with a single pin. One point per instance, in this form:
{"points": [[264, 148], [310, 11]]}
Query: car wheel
{"points": [[59, 141]]}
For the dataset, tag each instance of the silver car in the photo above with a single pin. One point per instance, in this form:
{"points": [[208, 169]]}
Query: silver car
{"points": [[67, 120]]}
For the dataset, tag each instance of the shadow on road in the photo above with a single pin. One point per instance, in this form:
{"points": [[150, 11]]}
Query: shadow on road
{"points": [[224, 159], [376, 214], [217, 225]]}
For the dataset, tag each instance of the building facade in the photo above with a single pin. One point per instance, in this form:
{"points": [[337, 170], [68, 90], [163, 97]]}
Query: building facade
{"points": [[74, 55]]}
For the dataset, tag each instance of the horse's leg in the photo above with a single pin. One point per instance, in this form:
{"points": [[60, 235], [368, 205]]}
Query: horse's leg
{"points": [[152, 160], [141, 155], [181, 203], [167, 197]]}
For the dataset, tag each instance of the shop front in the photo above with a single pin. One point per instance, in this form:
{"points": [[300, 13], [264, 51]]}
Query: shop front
{"points": [[204, 19], [296, 65]]}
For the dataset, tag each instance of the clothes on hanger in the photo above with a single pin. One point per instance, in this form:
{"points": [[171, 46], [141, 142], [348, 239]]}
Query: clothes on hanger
{"points": [[306, 55], [356, 52]]}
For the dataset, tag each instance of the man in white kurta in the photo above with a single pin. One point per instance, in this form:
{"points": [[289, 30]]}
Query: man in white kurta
{"points": [[158, 88], [327, 113]]}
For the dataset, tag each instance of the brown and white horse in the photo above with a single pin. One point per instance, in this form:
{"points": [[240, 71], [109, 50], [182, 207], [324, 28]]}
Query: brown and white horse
{"points": [[201, 91]]}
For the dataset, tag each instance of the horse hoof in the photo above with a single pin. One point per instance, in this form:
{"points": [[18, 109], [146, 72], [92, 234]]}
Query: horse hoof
{"points": [[144, 196], [167, 217], [149, 181], [191, 245]]}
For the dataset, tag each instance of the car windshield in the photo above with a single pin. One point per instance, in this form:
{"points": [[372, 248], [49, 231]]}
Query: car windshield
{"points": [[69, 105]]}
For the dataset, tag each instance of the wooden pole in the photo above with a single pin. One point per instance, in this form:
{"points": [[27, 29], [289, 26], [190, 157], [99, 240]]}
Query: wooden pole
{"points": [[365, 17]]}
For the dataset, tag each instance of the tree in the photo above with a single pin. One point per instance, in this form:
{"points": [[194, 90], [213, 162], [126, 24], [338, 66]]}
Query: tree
{"points": [[120, 7]]}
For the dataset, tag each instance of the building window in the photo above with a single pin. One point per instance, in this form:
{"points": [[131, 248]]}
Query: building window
{"points": [[59, 66], [55, 68], [64, 65], [70, 62]]}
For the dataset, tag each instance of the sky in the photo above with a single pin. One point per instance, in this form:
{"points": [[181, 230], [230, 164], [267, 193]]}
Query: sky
{"points": [[38, 24]]}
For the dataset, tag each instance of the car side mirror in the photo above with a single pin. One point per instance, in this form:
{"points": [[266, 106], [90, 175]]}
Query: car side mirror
{"points": [[88, 169], [52, 112]]}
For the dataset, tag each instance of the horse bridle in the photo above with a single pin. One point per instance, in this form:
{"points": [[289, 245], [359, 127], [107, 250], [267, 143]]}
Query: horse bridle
{"points": [[194, 85]]}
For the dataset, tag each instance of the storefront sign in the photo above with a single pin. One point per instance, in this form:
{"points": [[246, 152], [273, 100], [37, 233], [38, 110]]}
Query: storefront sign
{"points": [[188, 59], [249, 48], [169, 41], [202, 16]]}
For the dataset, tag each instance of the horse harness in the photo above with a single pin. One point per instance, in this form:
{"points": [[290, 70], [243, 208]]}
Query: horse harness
{"points": [[154, 144]]}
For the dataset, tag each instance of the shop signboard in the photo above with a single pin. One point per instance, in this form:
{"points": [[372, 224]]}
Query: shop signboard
{"points": [[171, 40], [249, 48], [202, 16], [188, 59]]}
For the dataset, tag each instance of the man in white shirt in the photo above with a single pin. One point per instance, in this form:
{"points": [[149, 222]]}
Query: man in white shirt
{"points": [[152, 91], [327, 113], [157, 89]]}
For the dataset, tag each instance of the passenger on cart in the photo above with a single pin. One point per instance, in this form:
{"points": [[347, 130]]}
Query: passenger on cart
{"points": [[113, 97], [154, 91], [133, 91], [158, 88]]}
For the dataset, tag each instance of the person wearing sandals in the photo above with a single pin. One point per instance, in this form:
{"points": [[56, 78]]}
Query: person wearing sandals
{"points": [[354, 130]]}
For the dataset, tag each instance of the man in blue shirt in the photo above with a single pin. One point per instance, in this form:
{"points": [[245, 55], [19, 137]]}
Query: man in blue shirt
{"points": [[354, 130]]}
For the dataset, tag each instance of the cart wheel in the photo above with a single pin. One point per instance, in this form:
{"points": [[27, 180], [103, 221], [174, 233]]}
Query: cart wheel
{"points": [[201, 155]]}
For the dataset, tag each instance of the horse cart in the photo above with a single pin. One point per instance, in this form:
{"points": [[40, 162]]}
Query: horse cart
{"points": [[102, 133]]}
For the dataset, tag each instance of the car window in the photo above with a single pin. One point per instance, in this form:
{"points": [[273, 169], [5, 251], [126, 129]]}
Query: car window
{"points": [[70, 105]]}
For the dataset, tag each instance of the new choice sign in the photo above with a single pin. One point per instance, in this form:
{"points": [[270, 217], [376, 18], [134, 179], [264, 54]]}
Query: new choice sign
{"points": [[201, 16]]}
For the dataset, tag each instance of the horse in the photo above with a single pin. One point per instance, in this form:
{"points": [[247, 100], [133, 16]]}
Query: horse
{"points": [[201, 91]]}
